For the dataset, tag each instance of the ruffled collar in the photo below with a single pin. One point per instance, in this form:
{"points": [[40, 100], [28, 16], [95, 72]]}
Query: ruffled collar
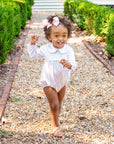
{"points": [[52, 49]]}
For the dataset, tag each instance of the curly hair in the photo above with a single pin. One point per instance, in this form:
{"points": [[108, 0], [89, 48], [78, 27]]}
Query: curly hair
{"points": [[63, 21]]}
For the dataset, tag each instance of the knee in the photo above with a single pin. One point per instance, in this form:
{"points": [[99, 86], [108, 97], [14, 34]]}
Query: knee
{"points": [[54, 106]]}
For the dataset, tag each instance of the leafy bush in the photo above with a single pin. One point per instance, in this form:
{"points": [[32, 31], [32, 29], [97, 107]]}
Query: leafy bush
{"points": [[94, 18], [29, 8], [13, 17], [101, 21], [67, 8], [79, 19], [110, 35], [17, 19], [23, 11], [89, 12], [6, 30]]}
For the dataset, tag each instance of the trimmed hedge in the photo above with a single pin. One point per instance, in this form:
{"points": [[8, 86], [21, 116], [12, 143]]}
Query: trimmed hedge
{"points": [[13, 17], [6, 30], [110, 35], [96, 19]]}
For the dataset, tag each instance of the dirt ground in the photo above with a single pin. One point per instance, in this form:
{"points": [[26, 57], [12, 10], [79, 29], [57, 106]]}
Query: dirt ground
{"points": [[87, 111]]}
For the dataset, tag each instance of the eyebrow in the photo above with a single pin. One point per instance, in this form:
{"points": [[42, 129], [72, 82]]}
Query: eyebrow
{"points": [[63, 33]]}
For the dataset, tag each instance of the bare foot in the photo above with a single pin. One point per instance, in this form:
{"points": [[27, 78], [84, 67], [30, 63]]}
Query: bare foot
{"points": [[57, 132]]}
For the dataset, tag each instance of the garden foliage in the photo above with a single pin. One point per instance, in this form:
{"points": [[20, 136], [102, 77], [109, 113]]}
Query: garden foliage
{"points": [[13, 17], [96, 19]]}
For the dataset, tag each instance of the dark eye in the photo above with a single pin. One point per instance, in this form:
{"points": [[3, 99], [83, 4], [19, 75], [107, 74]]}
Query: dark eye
{"points": [[64, 35], [56, 36]]}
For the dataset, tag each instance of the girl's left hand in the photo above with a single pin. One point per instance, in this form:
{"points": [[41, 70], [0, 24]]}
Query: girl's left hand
{"points": [[65, 63]]}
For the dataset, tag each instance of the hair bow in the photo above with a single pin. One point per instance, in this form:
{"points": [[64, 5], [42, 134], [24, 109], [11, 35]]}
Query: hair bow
{"points": [[54, 22]]}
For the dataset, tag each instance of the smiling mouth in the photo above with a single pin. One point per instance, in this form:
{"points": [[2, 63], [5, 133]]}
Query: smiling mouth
{"points": [[60, 43]]}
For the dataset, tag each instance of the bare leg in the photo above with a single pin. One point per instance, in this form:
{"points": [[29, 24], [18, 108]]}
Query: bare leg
{"points": [[61, 95], [55, 100]]}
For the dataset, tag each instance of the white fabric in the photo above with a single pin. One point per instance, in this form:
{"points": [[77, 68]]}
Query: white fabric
{"points": [[53, 74]]}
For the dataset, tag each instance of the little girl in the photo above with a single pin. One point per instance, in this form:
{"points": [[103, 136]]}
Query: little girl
{"points": [[59, 61]]}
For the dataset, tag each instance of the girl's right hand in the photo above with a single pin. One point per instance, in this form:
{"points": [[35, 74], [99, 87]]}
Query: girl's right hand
{"points": [[34, 39]]}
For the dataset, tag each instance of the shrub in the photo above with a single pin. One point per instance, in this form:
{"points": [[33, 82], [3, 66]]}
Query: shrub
{"points": [[29, 8], [23, 11], [16, 19], [13, 17], [94, 18], [67, 8], [6, 31], [3, 38], [110, 35], [79, 19], [101, 21], [78, 16]]}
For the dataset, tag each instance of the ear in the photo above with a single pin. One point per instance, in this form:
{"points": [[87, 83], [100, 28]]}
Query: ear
{"points": [[49, 38]]}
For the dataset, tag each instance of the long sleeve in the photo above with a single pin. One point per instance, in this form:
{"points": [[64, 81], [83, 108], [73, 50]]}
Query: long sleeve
{"points": [[35, 53]]}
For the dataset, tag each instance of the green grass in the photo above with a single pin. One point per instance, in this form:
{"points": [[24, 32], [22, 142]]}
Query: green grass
{"points": [[5, 133], [15, 99]]}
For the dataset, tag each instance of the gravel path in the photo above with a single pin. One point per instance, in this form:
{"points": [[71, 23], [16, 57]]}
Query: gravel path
{"points": [[87, 113]]}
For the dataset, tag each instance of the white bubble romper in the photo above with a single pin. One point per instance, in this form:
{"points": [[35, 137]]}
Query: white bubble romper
{"points": [[53, 73]]}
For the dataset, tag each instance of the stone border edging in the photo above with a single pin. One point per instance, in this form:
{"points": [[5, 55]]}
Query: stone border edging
{"points": [[7, 88], [97, 56]]}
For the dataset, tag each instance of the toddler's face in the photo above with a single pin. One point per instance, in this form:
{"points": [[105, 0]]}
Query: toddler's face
{"points": [[58, 36]]}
